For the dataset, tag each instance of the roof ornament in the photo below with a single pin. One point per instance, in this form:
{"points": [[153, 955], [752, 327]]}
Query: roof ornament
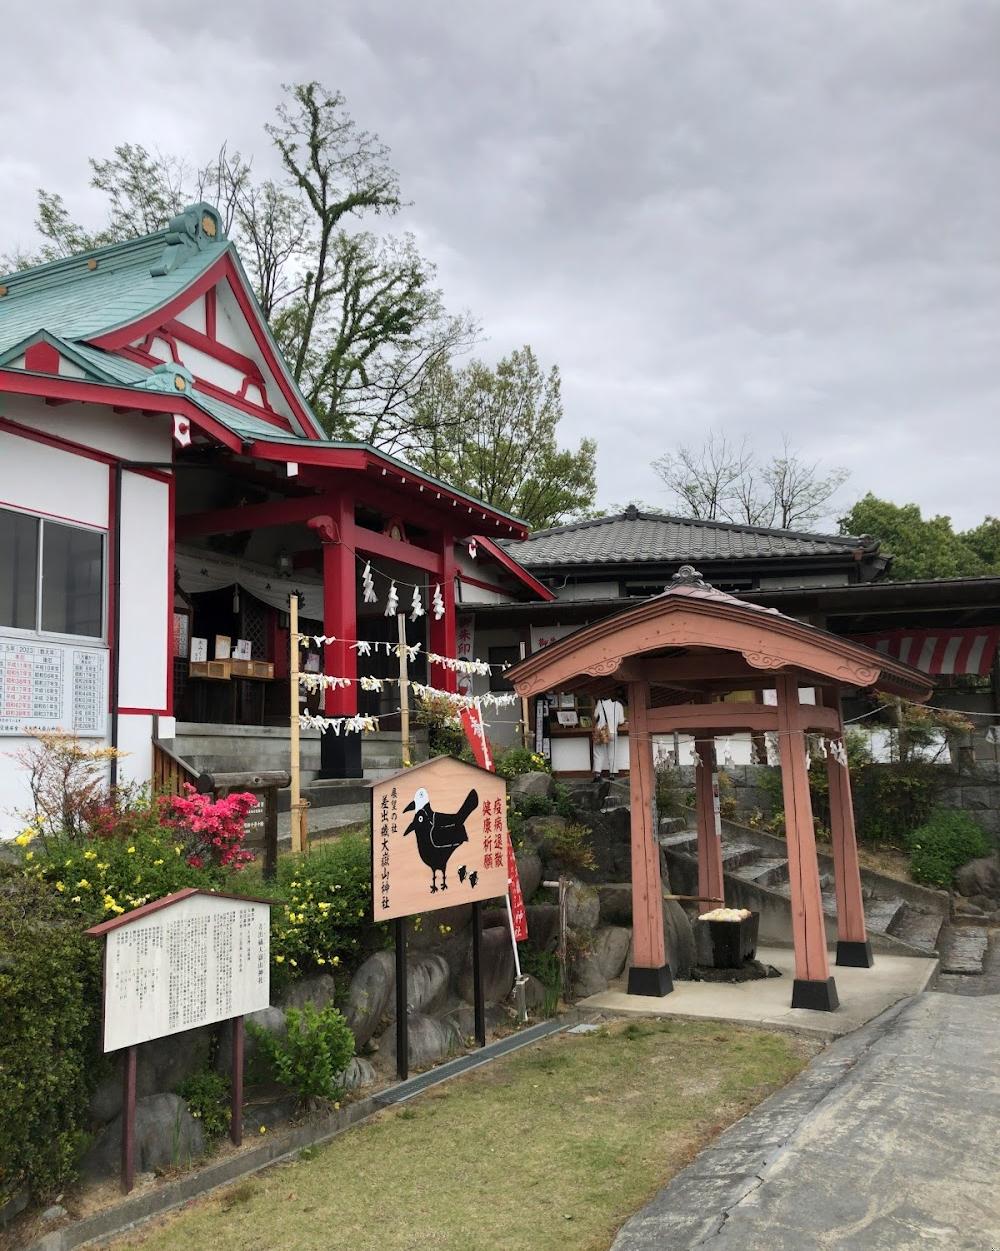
{"points": [[687, 575], [631, 513], [191, 231], [169, 379]]}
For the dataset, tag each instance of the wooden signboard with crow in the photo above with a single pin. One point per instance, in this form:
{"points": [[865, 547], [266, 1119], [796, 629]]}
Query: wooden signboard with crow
{"points": [[439, 838]]}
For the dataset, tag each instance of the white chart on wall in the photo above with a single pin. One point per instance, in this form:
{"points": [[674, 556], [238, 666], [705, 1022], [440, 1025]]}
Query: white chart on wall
{"points": [[194, 962], [52, 687]]}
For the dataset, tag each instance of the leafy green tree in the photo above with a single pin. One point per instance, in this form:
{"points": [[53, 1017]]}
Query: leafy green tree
{"points": [[923, 547], [985, 542], [358, 315], [492, 432]]}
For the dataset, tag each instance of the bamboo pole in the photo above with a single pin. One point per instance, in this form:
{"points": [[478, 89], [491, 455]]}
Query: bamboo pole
{"points": [[404, 693], [295, 756], [525, 725]]}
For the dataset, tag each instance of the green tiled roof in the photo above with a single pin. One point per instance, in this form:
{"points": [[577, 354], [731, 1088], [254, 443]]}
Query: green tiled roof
{"points": [[75, 302]]}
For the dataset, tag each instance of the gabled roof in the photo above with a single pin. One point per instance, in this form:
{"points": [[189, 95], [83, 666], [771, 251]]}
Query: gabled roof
{"points": [[637, 537]]}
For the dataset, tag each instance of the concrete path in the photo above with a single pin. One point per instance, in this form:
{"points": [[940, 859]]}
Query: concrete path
{"points": [[889, 1139], [864, 994]]}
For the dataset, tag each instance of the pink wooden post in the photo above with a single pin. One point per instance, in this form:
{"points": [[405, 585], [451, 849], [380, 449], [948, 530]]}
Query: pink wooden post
{"points": [[650, 973], [814, 987], [853, 947], [711, 882]]}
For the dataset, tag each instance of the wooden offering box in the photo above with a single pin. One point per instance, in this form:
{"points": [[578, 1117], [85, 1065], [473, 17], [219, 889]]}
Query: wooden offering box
{"points": [[251, 668], [217, 670]]}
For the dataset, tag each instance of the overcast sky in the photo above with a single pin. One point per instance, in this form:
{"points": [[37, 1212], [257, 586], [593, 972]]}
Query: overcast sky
{"points": [[756, 215]]}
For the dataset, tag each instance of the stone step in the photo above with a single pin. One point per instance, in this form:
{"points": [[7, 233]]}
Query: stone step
{"points": [[685, 842], [880, 913], [734, 855], [963, 949], [918, 928], [766, 871]]}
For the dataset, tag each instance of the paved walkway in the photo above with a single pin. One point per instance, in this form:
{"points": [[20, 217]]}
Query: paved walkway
{"points": [[864, 995], [887, 1140]]}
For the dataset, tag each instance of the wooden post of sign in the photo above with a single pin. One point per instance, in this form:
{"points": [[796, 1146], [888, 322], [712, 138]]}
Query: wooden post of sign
{"points": [[402, 1024], [525, 713], [236, 1112], [477, 972], [295, 759], [128, 1119], [404, 693]]}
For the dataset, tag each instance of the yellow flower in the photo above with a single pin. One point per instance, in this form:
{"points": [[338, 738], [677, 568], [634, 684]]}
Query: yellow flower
{"points": [[335, 960], [30, 855], [263, 1129], [155, 862], [104, 866], [90, 855], [75, 899], [130, 850], [320, 960], [25, 837], [279, 959], [83, 884], [177, 849], [59, 887], [295, 962]]}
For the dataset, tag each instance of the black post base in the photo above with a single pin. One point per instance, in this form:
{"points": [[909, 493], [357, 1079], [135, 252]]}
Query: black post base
{"points": [[653, 982], [854, 955], [818, 996], [340, 755]]}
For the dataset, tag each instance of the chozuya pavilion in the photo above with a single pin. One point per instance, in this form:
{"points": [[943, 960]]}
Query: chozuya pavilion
{"points": [[679, 655]]}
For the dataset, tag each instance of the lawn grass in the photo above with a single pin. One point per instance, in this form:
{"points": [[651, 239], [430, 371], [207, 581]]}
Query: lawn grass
{"points": [[552, 1147]]}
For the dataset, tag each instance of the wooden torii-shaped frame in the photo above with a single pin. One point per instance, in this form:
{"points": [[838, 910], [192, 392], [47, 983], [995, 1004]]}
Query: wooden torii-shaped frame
{"points": [[679, 654]]}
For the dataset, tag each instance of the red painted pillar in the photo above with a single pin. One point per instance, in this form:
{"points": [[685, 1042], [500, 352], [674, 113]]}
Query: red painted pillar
{"points": [[442, 633], [853, 948], [814, 987], [340, 755], [650, 973], [710, 878]]}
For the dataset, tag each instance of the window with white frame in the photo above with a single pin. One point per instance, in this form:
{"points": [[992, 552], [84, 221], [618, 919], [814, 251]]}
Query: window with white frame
{"points": [[51, 576]]}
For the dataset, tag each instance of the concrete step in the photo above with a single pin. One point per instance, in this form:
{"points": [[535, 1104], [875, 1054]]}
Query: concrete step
{"points": [[963, 948], [734, 855], [686, 842], [881, 913], [330, 793], [766, 871], [918, 928]]}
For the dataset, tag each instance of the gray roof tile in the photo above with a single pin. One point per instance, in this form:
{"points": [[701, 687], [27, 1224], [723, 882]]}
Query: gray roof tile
{"points": [[635, 537]]}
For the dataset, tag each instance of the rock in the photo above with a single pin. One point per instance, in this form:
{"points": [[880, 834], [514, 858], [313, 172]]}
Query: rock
{"points": [[427, 979], [14, 1206], [535, 830], [529, 871], [534, 994], [166, 1136], [318, 989], [54, 1213], [532, 786], [462, 1020], [270, 1019], [429, 1041], [611, 843], [615, 904], [358, 1073], [585, 975], [273, 1109], [497, 969], [583, 906], [966, 908], [370, 994], [678, 939], [161, 1065], [543, 925], [611, 944], [979, 877], [585, 795]]}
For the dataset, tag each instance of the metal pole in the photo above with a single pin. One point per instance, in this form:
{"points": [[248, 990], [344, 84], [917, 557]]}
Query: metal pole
{"points": [[236, 1117], [293, 741], [404, 693], [519, 978], [477, 971], [402, 1025]]}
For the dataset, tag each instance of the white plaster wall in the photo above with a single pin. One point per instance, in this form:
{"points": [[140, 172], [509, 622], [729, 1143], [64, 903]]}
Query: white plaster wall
{"points": [[118, 434], [145, 531], [135, 737], [43, 479], [194, 315]]}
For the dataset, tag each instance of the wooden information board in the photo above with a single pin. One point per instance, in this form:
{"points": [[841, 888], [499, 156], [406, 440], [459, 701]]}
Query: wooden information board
{"points": [[439, 838]]}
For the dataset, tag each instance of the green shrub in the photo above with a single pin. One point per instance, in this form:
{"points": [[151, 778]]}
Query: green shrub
{"points": [[568, 848], [445, 735], [949, 839], [528, 806], [893, 800], [207, 1095], [312, 1057], [518, 760], [50, 991], [545, 966], [324, 920], [563, 801]]}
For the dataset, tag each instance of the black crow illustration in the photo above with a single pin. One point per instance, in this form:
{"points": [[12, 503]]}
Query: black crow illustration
{"points": [[438, 833]]}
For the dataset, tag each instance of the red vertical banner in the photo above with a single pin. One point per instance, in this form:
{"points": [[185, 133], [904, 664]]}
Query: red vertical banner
{"points": [[475, 732]]}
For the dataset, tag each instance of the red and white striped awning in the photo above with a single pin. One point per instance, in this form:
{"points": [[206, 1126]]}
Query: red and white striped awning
{"points": [[946, 651]]}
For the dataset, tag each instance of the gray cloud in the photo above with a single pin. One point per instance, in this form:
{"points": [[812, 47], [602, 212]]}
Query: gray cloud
{"points": [[759, 216]]}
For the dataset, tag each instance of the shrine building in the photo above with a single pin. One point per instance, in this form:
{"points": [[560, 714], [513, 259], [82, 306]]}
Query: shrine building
{"points": [[164, 486]]}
